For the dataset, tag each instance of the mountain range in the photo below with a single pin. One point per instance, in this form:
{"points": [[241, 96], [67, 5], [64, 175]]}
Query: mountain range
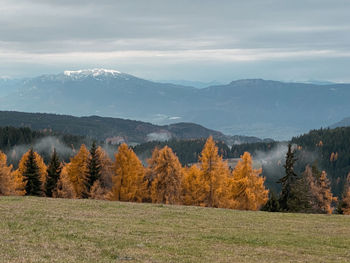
{"points": [[252, 107]]}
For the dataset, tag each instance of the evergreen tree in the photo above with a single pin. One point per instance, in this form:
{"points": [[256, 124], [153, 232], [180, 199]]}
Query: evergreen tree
{"points": [[94, 167], [272, 204], [288, 180], [294, 195], [53, 174], [344, 204], [32, 176]]}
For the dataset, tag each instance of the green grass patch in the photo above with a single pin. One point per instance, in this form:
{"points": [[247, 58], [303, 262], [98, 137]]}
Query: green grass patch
{"points": [[62, 230]]}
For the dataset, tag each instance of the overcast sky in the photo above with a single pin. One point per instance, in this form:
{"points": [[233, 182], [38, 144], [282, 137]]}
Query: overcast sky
{"points": [[171, 40]]}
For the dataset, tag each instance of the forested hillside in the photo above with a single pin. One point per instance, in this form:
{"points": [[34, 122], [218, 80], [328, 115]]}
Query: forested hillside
{"points": [[16, 141], [114, 130]]}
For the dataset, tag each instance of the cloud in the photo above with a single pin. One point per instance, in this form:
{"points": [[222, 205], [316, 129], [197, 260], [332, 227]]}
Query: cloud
{"points": [[47, 33]]}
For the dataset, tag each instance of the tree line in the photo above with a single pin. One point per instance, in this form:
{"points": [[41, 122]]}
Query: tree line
{"points": [[92, 174], [210, 182]]}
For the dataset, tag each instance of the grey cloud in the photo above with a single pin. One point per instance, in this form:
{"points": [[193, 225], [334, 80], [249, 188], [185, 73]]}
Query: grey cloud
{"points": [[57, 27]]}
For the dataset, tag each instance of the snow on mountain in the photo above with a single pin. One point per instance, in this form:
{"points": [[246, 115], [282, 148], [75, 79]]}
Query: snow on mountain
{"points": [[95, 73]]}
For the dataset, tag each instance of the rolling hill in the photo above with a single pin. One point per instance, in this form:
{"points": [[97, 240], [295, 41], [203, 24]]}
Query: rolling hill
{"points": [[114, 130]]}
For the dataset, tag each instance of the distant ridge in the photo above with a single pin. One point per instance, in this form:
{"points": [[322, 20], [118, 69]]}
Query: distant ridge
{"points": [[114, 130]]}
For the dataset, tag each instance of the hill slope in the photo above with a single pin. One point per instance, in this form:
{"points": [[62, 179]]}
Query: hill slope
{"points": [[252, 107], [62, 230], [113, 129]]}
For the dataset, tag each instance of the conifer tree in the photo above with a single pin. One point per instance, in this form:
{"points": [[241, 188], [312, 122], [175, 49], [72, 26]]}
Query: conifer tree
{"points": [[19, 173], [8, 184], [128, 181], [94, 167], [64, 187], [213, 176], [344, 204], [77, 171], [272, 204], [289, 199], [53, 174], [321, 196], [104, 184], [166, 186], [31, 176], [191, 186], [247, 189]]}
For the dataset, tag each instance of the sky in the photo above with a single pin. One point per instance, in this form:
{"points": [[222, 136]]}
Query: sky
{"points": [[203, 40]]}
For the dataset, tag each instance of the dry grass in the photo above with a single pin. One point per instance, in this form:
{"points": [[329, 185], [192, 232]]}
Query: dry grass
{"points": [[62, 230]]}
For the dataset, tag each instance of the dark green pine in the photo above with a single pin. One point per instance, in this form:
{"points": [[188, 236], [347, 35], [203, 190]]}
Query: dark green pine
{"points": [[94, 167], [31, 176], [53, 174], [272, 204]]}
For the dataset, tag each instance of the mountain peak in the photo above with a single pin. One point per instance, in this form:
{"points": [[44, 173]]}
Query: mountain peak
{"points": [[96, 72]]}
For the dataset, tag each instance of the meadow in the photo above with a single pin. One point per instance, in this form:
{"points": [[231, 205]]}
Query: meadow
{"points": [[34, 229]]}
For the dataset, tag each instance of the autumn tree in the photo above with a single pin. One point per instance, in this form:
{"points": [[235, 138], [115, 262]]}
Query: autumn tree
{"points": [[77, 172], [212, 181], [321, 196], [8, 183], [53, 174], [191, 186], [168, 174], [64, 187], [94, 167], [128, 181], [247, 189]]}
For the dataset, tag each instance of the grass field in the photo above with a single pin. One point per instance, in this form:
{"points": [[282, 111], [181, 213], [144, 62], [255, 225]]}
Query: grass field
{"points": [[62, 230]]}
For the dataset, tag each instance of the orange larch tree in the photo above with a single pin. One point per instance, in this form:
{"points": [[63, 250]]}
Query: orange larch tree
{"points": [[247, 189], [9, 185], [191, 186], [321, 196], [128, 182], [213, 176], [77, 172], [168, 175]]}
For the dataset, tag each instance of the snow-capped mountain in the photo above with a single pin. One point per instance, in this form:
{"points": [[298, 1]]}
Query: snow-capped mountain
{"points": [[252, 107]]}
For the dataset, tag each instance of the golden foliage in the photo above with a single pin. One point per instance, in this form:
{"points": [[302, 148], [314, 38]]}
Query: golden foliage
{"points": [[77, 172], [322, 196], [128, 181], [247, 190], [168, 174], [10, 183], [212, 180], [64, 185], [191, 186]]}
